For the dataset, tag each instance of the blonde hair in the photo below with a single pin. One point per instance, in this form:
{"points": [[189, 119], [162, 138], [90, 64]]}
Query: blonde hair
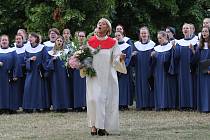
{"points": [[55, 48], [109, 25]]}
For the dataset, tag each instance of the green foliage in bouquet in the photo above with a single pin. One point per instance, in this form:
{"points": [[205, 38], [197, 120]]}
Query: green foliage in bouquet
{"points": [[85, 56], [65, 57]]}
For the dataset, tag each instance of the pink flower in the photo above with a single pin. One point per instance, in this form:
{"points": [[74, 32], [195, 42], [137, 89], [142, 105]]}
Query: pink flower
{"points": [[74, 62]]}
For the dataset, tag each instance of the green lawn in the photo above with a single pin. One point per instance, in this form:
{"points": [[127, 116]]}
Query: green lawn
{"points": [[135, 125]]}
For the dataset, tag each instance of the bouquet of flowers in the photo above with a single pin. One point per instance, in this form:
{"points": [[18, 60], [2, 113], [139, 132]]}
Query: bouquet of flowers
{"points": [[82, 59], [65, 57]]}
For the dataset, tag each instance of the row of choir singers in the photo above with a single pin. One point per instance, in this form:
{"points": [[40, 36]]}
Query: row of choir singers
{"points": [[167, 75]]}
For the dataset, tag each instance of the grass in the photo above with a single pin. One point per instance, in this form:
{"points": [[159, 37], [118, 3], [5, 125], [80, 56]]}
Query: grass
{"points": [[135, 125]]}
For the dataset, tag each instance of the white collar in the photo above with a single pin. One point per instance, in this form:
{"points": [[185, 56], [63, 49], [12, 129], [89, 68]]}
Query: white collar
{"points": [[206, 46], [8, 50], [59, 53], [34, 50], [20, 50], [144, 47], [183, 42], [123, 46], [195, 37], [49, 44], [163, 48], [126, 39], [102, 38]]}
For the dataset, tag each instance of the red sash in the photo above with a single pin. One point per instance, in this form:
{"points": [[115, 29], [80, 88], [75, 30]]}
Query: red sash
{"points": [[104, 44]]}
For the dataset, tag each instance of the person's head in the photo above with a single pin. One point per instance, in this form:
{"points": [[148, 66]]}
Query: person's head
{"points": [[19, 40], [66, 34], [81, 36], [119, 28], [119, 35], [192, 28], [23, 33], [40, 39], [186, 30], [59, 42], [144, 35], [104, 27], [171, 32], [34, 38], [206, 22], [53, 34], [205, 37], [4, 41], [162, 37]]}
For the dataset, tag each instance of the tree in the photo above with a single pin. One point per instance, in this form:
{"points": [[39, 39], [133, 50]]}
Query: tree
{"points": [[73, 14], [12, 16], [157, 14], [41, 15]]}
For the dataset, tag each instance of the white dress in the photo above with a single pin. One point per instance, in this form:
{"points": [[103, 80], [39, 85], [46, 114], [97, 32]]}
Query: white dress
{"points": [[103, 90]]}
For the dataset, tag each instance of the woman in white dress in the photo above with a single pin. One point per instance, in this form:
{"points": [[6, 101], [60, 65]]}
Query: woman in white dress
{"points": [[103, 90]]}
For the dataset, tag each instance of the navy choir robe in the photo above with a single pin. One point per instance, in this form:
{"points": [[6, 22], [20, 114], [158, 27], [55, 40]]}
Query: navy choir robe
{"points": [[131, 71], [165, 90], [79, 89], [49, 45], [123, 79], [60, 89], [21, 80], [144, 78], [184, 59], [203, 80], [8, 88], [35, 95]]}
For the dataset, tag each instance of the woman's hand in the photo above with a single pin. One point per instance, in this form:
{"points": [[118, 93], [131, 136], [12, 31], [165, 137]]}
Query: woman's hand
{"points": [[122, 57], [192, 48], [153, 53], [134, 53], [1, 64], [33, 58], [173, 43], [15, 79], [54, 57]]}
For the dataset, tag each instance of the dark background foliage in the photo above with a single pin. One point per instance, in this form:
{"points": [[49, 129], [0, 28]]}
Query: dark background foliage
{"points": [[40, 15]]}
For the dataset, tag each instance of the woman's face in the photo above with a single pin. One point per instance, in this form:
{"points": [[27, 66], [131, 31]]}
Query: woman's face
{"points": [[118, 36], [66, 35], [205, 33], [119, 29], [102, 27], [4, 42], [32, 39], [20, 32], [53, 36], [81, 36], [186, 30], [170, 34], [161, 39], [19, 40], [206, 22], [59, 42], [144, 35]]}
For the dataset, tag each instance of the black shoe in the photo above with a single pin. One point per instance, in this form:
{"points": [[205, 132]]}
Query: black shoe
{"points": [[38, 110], [12, 112], [45, 110], [28, 110], [79, 109], [102, 132], [93, 132]]}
